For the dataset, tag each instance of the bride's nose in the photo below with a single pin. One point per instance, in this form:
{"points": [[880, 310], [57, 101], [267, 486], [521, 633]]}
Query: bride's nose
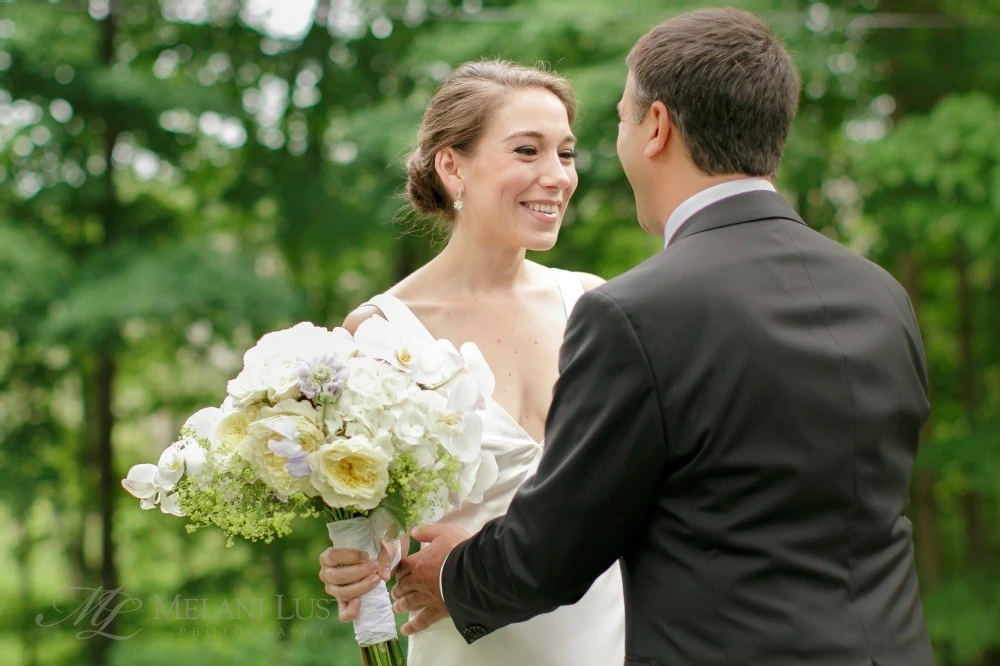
{"points": [[555, 175]]}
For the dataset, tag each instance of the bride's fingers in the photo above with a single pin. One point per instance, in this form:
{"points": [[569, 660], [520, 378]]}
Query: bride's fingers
{"points": [[348, 611], [346, 575], [338, 557], [354, 590]]}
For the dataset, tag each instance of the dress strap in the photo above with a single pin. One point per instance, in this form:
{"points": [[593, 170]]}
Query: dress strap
{"points": [[398, 314], [569, 286]]}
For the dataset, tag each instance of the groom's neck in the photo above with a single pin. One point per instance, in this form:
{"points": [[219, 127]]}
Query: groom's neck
{"points": [[683, 184]]}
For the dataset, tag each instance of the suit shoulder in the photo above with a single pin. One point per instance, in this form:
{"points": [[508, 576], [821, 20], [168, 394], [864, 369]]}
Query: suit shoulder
{"points": [[870, 268], [656, 278]]}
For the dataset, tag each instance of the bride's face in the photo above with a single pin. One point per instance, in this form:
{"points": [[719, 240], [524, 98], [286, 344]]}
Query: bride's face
{"points": [[519, 180]]}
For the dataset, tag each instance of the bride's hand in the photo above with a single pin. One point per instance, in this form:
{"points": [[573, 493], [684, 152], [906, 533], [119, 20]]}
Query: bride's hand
{"points": [[347, 574]]}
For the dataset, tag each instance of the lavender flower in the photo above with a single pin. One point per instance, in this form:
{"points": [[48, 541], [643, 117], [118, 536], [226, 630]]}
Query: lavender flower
{"points": [[322, 378]]}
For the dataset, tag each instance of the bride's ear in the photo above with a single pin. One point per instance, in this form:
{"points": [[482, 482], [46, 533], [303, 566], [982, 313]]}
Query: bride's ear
{"points": [[660, 130], [447, 167]]}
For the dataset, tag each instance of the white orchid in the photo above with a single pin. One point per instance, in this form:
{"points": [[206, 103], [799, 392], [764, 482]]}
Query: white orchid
{"points": [[480, 372], [142, 484], [452, 419], [170, 467], [476, 478], [426, 362]]}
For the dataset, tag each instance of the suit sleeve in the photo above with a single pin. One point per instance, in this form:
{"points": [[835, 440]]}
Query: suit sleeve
{"points": [[604, 458]]}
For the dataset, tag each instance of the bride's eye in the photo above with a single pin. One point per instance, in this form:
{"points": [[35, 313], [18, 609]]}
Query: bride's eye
{"points": [[529, 151], [568, 154]]}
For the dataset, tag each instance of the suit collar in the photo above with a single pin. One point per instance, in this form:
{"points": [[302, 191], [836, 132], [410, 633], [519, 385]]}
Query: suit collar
{"points": [[738, 209]]}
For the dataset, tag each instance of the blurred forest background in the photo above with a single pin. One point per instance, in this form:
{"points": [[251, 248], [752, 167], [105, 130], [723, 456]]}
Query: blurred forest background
{"points": [[179, 176]]}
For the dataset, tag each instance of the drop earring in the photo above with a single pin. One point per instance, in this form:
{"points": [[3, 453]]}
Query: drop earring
{"points": [[458, 200]]}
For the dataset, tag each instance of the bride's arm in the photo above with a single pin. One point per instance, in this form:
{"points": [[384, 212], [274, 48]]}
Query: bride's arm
{"points": [[359, 315]]}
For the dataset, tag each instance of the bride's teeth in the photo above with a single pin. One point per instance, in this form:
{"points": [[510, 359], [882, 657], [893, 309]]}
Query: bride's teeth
{"points": [[541, 208]]}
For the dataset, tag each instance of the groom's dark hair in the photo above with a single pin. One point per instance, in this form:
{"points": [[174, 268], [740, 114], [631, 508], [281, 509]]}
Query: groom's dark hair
{"points": [[730, 86]]}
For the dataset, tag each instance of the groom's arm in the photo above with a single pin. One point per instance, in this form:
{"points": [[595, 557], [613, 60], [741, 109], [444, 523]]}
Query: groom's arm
{"points": [[604, 458]]}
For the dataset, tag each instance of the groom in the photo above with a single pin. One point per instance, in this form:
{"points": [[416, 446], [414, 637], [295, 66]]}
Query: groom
{"points": [[737, 417]]}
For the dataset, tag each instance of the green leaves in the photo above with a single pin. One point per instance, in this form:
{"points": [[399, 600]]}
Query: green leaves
{"points": [[173, 285], [31, 267]]}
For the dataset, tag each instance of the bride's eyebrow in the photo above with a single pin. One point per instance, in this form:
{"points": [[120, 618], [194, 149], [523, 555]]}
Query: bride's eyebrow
{"points": [[533, 134]]}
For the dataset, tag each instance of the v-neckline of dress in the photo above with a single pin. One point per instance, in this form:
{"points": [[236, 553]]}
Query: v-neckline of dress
{"points": [[426, 332]]}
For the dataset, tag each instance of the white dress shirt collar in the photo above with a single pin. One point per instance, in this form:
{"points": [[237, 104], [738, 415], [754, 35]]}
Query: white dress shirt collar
{"points": [[706, 198]]}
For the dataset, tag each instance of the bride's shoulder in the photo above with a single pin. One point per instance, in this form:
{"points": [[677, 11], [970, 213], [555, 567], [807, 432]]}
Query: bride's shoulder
{"points": [[589, 280], [359, 315], [407, 291]]}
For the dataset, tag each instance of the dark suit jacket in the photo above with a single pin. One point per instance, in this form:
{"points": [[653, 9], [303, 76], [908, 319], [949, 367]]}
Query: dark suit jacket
{"points": [[736, 420]]}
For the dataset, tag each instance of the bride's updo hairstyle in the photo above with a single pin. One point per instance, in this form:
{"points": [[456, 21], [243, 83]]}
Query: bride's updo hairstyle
{"points": [[457, 117]]}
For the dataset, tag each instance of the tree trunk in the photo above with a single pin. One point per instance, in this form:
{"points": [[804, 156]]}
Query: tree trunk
{"points": [[101, 395], [282, 587], [105, 365], [108, 479], [971, 503], [22, 554]]}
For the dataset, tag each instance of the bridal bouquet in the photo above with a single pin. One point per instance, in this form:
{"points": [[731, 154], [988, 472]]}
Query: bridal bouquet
{"points": [[374, 432]]}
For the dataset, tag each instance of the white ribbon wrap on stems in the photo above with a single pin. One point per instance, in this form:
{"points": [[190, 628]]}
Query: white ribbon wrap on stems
{"points": [[375, 622]]}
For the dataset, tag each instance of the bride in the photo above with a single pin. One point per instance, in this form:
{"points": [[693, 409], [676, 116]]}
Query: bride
{"points": [[495, 162]]}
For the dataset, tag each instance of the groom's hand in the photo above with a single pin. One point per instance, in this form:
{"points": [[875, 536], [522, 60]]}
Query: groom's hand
{"points": [[418, 586]]}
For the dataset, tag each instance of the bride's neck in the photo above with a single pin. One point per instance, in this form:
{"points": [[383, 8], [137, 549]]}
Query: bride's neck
{"points": [[474, 265]]}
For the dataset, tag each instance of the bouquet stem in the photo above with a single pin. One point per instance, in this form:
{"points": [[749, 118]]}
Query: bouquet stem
{"points": [[383, 654], [375, 626]]}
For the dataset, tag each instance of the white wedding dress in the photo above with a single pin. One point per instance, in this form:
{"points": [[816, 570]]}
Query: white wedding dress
{"points": [[588, 633]]}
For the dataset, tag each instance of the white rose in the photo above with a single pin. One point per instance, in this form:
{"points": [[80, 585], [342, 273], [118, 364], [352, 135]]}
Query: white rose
{"points": [[249, 387], [304, 340], [351, 472], [256, 449], [300, 408], [231, 428], [202, 423], [302, 431], [283, 380]]}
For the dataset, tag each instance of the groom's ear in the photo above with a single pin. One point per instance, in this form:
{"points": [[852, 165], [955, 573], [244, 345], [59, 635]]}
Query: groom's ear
{"points": [[660, 131]]}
